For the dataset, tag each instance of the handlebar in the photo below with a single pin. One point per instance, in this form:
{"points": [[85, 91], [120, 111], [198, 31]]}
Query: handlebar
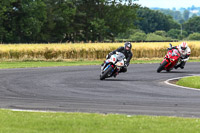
{"points": [[170, 45]]}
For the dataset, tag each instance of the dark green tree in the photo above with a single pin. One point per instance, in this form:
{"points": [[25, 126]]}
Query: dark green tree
{"points": [[29, 21], [173, 24], [58, 25], [138, 37], [176, 34], [161, 33], [120, 17], [194, 36], [104, 19], [151, 21], [192, 25], [24, 20], [5, 20], [90, 21], [3, 9]]}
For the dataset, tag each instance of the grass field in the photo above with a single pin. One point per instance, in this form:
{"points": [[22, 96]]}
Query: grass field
{"points": [[40, 122], [193, 82]]}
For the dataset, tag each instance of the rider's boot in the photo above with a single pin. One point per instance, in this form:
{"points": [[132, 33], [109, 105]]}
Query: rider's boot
{"points": [[115, 74], [177, 66], [182, 65]]}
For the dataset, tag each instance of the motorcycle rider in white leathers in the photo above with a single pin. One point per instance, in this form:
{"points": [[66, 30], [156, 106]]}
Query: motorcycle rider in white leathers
{"points": [[185, 52]]}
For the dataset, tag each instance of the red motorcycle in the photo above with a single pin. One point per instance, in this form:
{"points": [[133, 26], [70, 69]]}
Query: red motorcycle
{"points": [[170, 60]]}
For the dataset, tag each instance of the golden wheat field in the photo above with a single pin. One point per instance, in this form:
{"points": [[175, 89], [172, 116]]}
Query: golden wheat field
{"points": [[89, 51]]}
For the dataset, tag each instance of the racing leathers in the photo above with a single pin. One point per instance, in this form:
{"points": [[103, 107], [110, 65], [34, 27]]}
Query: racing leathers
{"points": [[128, 54], [184, 56]]}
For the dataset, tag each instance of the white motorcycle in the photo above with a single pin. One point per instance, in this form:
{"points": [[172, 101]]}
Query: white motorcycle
{"points": [[112, 65]]}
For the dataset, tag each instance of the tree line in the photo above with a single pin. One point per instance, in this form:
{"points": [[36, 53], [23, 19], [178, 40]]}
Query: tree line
{"points": [[47, 21], [29, 21], [153, 25]]}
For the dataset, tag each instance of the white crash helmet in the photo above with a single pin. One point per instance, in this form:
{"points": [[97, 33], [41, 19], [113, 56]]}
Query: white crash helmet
{"points": [[183, 46]]}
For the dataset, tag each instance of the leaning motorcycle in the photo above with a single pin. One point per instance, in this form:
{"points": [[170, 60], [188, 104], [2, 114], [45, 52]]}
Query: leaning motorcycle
{"points": [[171, 59], [112, 65]]}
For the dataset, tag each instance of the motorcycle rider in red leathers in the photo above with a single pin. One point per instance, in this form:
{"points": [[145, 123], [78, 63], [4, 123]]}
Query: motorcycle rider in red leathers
{"points": [[185, 52]]}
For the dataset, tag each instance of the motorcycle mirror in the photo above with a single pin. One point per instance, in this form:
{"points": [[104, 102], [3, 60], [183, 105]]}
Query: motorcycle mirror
{"points": [[170, 45]]}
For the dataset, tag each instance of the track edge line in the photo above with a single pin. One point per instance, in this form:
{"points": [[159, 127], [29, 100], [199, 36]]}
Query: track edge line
{"points": [[167, 82]]}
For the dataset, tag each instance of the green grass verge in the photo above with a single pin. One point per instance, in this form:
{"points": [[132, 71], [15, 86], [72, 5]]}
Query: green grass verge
{"points": [[37, 122], [25, 64], [193, 82]]}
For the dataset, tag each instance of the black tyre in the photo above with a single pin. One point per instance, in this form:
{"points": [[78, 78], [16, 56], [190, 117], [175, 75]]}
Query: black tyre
{"points": [[162, 66], [105, 74]]}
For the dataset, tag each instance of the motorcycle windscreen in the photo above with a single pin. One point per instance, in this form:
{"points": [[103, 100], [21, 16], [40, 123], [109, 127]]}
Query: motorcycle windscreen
{"points": [[175, 53], [120, 56]]}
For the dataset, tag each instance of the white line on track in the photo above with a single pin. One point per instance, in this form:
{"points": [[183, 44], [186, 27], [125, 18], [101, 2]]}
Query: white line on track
{"points": [[168, 82], [24, 110]]}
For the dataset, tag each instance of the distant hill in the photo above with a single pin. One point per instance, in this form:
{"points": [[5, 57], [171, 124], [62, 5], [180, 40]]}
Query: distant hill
{"points": [[181, 14]]}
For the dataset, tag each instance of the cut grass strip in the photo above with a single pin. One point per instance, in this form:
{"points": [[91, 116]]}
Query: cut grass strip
{"points": [[192, 82], [40, 122], [26, 64]]}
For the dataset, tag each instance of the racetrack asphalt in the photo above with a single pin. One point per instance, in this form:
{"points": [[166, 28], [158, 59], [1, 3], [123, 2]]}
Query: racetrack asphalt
{"points": [[140, 91]]}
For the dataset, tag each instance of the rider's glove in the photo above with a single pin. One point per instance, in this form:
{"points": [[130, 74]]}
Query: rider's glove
{"points": [[169, 49], [109, 55]]}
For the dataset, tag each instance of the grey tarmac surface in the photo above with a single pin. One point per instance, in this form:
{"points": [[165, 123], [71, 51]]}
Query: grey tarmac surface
{"points": [[140, 91]]}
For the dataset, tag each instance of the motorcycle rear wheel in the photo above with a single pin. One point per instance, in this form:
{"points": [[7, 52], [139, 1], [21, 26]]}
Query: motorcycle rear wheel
{"points": [[162, 66]]}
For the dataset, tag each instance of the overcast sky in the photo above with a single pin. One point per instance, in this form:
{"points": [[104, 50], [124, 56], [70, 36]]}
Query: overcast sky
{"points": [[169, 3]]}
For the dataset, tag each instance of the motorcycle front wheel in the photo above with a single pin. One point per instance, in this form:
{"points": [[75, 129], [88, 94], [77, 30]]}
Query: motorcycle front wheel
{"points": [[105, 73], [162, 66]]}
